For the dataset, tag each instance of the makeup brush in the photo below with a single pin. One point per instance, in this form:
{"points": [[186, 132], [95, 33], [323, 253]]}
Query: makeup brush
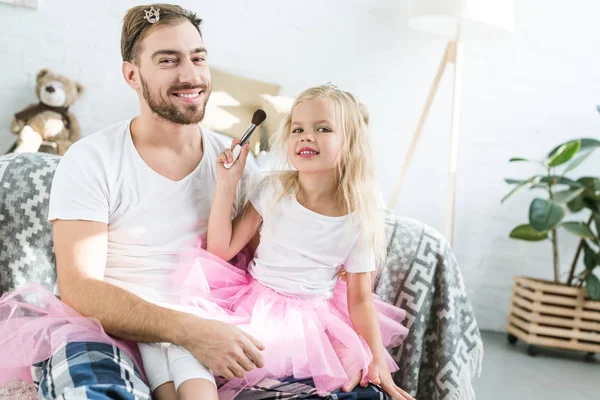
{"points": [[257, 119]]}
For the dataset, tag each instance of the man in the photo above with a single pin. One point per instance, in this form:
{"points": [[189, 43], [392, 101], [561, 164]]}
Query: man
{"points": [[127, 200]]}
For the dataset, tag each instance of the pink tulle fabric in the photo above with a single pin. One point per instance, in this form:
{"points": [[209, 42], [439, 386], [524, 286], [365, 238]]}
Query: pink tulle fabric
{"points": [[304, 338], [34, 324]]}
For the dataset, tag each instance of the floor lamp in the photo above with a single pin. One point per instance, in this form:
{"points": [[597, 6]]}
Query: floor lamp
{"points": [[456, 20]]}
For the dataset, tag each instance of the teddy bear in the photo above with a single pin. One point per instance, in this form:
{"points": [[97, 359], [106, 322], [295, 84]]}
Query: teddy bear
{"points": [[48, 126]]}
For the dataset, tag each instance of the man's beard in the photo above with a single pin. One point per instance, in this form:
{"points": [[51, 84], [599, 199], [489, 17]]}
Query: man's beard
{"points": [[193, 114]]}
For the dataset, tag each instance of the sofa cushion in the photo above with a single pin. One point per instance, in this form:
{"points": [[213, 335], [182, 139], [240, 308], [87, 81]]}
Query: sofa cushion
{"points": [[26, 250]]}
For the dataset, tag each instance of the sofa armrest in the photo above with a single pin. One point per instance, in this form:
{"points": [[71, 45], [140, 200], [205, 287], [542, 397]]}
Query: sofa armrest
{"points": [[26, 250], [443, 350]]}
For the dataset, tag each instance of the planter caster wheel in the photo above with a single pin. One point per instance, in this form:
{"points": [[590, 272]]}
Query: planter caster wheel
{"points": [[512, 339], [533, 350], [590, 357]]}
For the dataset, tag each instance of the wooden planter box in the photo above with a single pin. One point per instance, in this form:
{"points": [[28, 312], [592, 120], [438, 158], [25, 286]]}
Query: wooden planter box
{"points": [[543, 313]]}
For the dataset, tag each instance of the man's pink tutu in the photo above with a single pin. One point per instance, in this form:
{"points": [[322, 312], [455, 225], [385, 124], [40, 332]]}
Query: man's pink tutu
{"points": [[34, 324], [303, 338]]}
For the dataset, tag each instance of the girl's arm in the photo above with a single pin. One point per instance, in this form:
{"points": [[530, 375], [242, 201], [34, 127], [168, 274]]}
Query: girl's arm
{"points": [[363, 313], [224, 237], [366, 323]]}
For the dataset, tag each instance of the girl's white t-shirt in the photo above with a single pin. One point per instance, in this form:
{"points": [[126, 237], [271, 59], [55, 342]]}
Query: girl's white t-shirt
{"points": [[300, 251], [151, 220]]}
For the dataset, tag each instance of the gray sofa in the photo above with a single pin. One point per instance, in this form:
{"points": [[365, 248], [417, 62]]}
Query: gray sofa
{"points": [[437, 361]]}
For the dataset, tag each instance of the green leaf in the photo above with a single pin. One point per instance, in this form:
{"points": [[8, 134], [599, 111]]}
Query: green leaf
{"points": [[564, 153], [592, 204], [578, 160], [592, 184], [578, 229], [589, 143], [588, 198], [545, 214], [511, 181], [518, 159], [566, 196], [519, 186], [539, 186], [589, 257], [526, 232], [560, 180], [576, 205], [586, 144], [591, 197], [592, 284]]}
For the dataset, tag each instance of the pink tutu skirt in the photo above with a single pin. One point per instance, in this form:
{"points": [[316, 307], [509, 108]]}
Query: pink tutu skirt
{"points": [[303, 338], [34, 324]]}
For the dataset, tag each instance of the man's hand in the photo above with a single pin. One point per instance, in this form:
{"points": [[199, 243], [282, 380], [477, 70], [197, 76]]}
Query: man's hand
{"points": [[225, 349]]}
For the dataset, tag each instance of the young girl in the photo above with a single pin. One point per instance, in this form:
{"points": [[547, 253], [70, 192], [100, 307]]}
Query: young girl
{"points": [[315, 220]]}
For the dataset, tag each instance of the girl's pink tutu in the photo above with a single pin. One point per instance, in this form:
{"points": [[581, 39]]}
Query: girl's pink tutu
{"points": [[303, 338], [34, 324]]}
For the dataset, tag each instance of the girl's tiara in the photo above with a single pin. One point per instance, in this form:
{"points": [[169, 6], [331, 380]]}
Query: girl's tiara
{"points": [[331, 85]]}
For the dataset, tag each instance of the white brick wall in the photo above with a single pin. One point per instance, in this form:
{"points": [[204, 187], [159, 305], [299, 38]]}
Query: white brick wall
{"points": [[521, 96]]}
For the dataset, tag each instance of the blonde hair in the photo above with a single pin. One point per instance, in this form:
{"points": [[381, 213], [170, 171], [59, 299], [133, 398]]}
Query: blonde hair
{"points": [[136, 27], [358, 190]]}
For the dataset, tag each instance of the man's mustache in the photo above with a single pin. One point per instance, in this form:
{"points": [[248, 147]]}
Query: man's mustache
{"points": [[187, 86]]}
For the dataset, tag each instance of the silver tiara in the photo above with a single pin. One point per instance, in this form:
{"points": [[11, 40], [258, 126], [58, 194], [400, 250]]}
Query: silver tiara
{"points": [[152, 15], [331, 85]]}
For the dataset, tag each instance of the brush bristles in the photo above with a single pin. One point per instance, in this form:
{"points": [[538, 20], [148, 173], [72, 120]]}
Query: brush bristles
{"points": [[258, 117]]}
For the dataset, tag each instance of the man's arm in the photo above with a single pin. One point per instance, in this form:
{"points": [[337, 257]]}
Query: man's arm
{"points": [[81, 251]]}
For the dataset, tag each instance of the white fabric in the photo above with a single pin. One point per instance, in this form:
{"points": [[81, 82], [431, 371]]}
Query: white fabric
{"points": [[171, 363], [151, 220], [301, 252]]}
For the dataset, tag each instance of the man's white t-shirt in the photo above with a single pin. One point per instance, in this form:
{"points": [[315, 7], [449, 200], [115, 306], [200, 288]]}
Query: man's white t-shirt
{"points": [[151, 220], [300, 251]]}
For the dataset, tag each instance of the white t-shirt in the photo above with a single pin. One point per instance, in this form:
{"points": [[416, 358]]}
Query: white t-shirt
{"points": [[151, 219], [300, 251]]}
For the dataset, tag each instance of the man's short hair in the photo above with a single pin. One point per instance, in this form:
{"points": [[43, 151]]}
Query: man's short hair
{"points": [[136, 27]]}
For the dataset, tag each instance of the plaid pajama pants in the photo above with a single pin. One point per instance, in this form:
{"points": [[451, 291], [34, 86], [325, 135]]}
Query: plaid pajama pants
{"points": [[99, 371], [95, 371]]}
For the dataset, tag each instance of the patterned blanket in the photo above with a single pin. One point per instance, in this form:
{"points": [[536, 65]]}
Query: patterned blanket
{"points": [[437, 361], [444, 350]]}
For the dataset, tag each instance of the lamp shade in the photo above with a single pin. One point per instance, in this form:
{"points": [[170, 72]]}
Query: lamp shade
{"points": [[478, 19]]}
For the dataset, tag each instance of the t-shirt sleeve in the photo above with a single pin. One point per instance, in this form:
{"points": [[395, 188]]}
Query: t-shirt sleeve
{"points": [[79, 187], [361, 258], [261, 195]]}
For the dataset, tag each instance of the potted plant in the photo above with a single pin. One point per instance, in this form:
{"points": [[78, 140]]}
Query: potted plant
{"points": [[565, 312]]}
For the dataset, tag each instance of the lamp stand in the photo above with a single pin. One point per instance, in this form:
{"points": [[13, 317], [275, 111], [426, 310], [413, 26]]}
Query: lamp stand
{"points": [[452, 54]]}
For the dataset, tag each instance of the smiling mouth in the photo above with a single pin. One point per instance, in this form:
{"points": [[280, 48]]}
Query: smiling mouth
{"points": [[308, 152], [188, 95]]}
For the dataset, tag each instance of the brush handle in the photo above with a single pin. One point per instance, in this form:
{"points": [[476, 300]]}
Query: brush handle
{"points": [[236, 153]]}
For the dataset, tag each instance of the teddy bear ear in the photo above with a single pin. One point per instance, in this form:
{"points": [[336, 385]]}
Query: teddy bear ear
{"points": [[42, 73]]}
